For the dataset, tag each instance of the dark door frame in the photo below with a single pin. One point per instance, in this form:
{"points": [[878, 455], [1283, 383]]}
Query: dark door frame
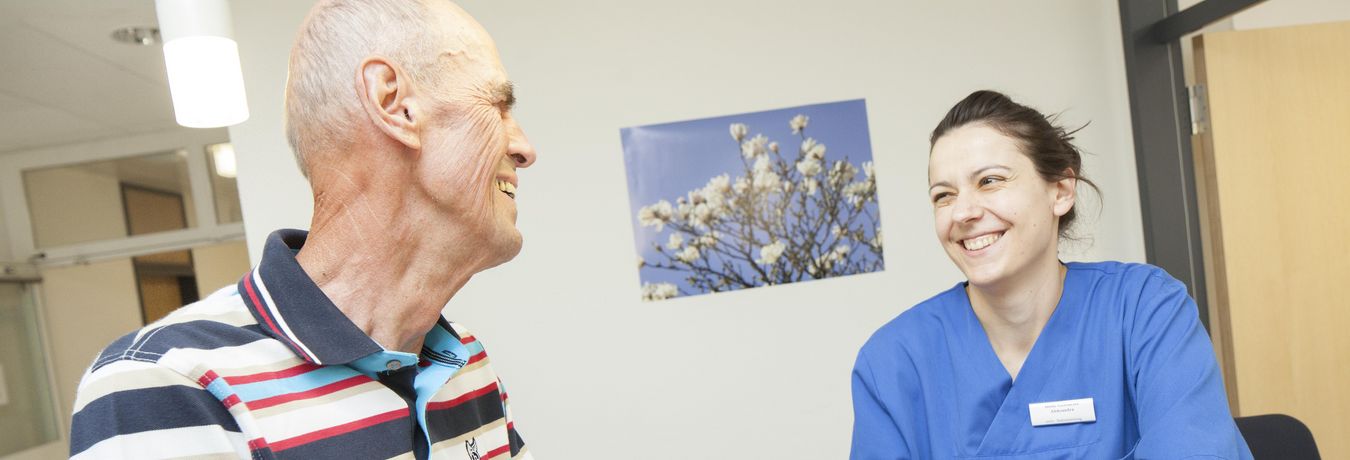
{"points": [[1161, 118]]}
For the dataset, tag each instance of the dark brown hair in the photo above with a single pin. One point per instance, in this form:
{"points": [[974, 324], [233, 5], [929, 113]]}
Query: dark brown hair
{"points": [[1048, 145]]}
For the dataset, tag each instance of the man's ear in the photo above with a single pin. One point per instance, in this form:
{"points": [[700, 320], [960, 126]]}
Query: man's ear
{"points": [[387, 97], [1066, 193]]}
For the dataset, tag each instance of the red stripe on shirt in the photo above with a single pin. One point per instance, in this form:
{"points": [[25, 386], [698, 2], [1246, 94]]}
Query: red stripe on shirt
{"points": [[478, 357], [314, 393], [257, 444], [498, 451], [273, 375], [339, 429], [206, 379], [230, 401], [262, 311], [462, 398], [258, 305], [468, 340]]}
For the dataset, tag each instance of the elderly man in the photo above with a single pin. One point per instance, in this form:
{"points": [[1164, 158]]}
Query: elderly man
{"points": [[399, 112]]}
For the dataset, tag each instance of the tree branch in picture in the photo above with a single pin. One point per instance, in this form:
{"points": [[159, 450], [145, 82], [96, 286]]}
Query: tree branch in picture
{"points": [[782, 219]]}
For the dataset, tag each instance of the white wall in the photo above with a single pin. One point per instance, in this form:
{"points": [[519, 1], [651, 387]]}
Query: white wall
{"points": [[764, 373], [272, 192]]}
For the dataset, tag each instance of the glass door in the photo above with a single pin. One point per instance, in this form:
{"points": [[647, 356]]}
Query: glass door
{"points": [[28, 418]]}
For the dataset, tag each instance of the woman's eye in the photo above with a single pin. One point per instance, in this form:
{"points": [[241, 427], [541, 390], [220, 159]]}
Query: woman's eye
{"points": [[986, 180], [941, 197]]}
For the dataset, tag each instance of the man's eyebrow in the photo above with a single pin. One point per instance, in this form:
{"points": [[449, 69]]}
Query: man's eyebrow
{"points": [[505, 94]]}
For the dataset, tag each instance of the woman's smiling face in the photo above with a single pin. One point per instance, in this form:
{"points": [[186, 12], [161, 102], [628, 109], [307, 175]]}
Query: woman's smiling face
{"points": [[994, 214]]}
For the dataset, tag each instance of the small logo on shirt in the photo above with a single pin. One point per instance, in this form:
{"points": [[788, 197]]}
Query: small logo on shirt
{"points": [[446, 357], [471, 447]]}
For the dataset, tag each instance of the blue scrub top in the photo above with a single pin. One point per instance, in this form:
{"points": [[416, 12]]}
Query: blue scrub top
{"points": [[928, 384]]}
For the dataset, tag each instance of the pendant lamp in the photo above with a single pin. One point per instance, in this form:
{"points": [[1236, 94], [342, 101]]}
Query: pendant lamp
{"points": [[203, 63]]}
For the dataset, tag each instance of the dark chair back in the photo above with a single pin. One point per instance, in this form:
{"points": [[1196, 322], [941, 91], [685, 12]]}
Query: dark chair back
{"points": [[1278, 436]]}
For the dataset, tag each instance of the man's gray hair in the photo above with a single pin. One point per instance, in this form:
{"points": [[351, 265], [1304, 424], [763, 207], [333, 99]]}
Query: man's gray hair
{"points": [[322, 102]]}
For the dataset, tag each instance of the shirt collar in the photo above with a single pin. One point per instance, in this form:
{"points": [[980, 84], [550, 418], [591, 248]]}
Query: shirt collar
{"points": [[442, 347], [291, 308]]}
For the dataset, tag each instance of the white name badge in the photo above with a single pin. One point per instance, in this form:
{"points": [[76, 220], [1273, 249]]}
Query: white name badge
{"points": [[1061, 412]]}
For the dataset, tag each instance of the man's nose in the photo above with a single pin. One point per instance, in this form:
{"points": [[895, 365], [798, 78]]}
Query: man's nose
{"points": [[519, 148]]}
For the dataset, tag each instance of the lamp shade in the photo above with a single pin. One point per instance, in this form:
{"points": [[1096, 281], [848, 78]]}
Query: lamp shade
{"points": [[202, 59]]}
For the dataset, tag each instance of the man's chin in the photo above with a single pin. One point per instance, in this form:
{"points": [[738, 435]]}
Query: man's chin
{"points": [[505, 247]]}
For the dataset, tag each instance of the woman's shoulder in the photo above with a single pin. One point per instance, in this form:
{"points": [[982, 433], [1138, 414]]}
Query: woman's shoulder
{"points": [[1125, 275], [1117, 268], [1139, 290]]}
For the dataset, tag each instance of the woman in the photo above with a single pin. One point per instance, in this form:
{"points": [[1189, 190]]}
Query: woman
{"points": [[1031, 357]]}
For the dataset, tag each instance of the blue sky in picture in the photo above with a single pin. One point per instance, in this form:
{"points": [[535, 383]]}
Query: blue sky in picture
{"points": [[666, 161]]}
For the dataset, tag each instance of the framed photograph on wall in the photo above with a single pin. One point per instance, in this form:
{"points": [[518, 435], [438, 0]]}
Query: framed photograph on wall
{"points": [[754, 199]]}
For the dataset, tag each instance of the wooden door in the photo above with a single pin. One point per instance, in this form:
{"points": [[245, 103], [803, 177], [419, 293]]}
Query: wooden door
{"points": [[1273, 170]]}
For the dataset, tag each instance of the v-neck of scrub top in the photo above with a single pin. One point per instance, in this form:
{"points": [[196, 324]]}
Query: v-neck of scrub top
{"points": [[999, 413]]}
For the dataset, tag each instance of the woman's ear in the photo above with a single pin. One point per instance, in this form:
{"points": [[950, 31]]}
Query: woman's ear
{"points": [[1066, 193], [387, 96]]}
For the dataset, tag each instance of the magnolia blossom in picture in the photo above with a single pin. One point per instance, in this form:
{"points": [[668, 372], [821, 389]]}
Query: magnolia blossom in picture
{"points": [[752, 200]]}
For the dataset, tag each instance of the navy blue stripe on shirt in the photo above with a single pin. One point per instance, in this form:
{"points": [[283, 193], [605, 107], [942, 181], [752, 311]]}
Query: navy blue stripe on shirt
{"points": [[118, 349], [382, 440], [154, 343], [514, 438], [465, 416], [134, 411]]}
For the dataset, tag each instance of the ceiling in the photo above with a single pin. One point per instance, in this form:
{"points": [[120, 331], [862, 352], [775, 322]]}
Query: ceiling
{"points": [[64, 80]]}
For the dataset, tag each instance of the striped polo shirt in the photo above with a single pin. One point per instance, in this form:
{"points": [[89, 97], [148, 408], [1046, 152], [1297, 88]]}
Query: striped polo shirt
{"points": [[270, 368]]}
